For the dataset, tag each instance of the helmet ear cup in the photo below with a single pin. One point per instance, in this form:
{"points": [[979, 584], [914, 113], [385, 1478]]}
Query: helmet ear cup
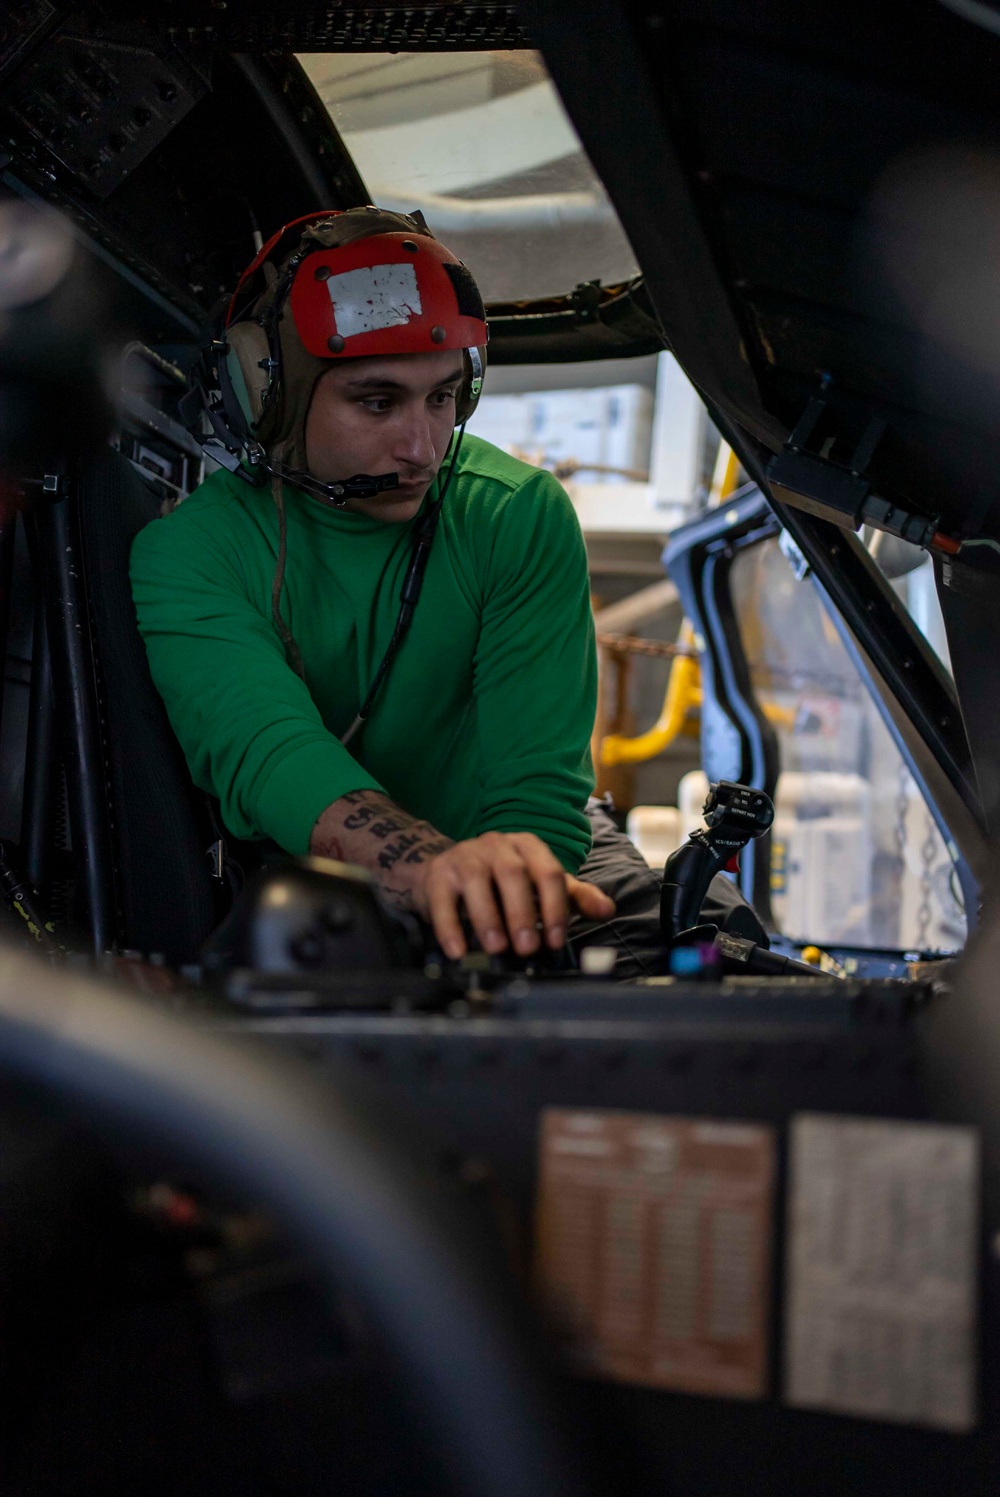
{"points": [[471, 386], [246, 365]]}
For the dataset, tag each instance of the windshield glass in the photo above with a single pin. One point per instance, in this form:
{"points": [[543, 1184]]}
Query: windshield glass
{"points": [[481, 144], [856, 856]]}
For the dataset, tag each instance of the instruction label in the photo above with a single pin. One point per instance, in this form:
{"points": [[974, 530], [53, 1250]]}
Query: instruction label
{"points": [[882, 1270], [653, 1247]]}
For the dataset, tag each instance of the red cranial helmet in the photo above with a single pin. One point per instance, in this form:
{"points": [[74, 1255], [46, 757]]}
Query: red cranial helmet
{"points": [[344, 285], [387, 294]]}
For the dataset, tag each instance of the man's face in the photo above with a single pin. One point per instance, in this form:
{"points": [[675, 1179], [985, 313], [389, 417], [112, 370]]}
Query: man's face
{"points": [[385, 415]]}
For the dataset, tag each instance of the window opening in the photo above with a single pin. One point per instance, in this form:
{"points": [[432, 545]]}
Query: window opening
{"points": [[481, 144]]}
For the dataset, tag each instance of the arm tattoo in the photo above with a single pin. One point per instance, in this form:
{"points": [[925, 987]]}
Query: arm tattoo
{"points": [[371, 815], [380, 835], [360, 818], [427, 850], [393, 851], [411, 849], [402, 899], [387, 826]]}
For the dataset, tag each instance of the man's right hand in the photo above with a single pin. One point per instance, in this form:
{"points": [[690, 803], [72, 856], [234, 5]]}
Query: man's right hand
{"points": [[507, 882], [504, 882]]}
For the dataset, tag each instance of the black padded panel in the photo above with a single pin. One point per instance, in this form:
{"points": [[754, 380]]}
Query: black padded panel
{"points": [[470, 303], [161, 826]]}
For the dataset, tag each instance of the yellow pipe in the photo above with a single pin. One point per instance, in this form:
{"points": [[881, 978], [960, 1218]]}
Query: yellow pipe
{"points": [[781, 717], [726, 475], [683, 698], [681, 707]]}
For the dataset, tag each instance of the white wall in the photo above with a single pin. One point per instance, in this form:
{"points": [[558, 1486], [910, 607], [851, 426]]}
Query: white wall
{"points": [[678, 418]]}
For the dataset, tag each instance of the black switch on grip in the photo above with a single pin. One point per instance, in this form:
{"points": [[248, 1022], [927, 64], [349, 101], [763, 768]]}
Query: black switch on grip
{"points": [[734, 815]]}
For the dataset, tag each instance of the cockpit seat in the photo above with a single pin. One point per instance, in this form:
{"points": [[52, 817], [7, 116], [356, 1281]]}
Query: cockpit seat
{"points": [[161, 828]]}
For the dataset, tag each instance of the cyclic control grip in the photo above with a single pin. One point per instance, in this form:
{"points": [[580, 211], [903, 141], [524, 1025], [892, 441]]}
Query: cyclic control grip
{"points": [[734, 815]]}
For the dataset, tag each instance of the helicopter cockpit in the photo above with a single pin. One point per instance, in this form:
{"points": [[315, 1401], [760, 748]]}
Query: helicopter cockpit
{"points": [[291, 1197]]}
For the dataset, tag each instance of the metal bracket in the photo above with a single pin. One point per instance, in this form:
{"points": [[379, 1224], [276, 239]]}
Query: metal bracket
{"points": [[216, 855], [792, 553], [586, 299], [807, 476]]}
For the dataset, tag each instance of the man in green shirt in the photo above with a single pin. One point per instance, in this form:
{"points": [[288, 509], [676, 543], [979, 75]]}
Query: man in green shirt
{"points": [[443, 745]]}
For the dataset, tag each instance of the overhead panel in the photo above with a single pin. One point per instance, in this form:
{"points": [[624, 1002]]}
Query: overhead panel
{"points": [[320, 28], [99, 104]]}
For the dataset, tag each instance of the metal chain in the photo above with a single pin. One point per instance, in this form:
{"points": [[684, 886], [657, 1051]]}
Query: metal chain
{"points": [[631, 644], [902, 806], [928, 853]]}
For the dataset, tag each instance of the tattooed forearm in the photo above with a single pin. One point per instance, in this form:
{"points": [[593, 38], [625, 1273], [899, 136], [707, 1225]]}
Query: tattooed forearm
{"points": [[365, 827]]}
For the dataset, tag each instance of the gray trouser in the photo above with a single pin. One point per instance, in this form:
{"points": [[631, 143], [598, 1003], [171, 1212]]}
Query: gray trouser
{"points": [[617, 866]]}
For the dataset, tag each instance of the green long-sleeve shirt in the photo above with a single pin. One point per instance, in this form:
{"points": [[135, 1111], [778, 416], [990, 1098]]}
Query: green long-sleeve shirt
{"points": [[484, 721]]}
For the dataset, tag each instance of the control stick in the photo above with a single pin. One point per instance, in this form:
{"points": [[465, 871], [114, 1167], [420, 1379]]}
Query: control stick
{"points": [[734, 815]]}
